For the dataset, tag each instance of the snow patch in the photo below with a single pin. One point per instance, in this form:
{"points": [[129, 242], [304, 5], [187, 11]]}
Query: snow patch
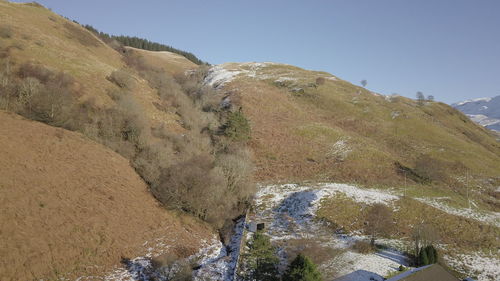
{"points": [[289, 210], [340, 150], [218, 76], [483, 120], [492, 218], [473, 100], [485, 268]]}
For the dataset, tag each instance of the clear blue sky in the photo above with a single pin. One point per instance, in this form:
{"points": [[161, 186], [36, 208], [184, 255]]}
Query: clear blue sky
{"points": [[446, 48]]}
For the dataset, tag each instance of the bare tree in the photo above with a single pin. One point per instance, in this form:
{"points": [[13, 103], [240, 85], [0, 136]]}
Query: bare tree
{"points": [[423, 235], [430, 98], [364, 83], [420, 98], [379, 222]]}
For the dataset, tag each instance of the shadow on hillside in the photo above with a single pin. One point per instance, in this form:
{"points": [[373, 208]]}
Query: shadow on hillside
{"points": [[294, 212], [393, 256], [139, 269]]}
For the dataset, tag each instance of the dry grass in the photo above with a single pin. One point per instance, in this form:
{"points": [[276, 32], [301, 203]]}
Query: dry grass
{"points": [[295, 135], [59, 188], [464, 234]]}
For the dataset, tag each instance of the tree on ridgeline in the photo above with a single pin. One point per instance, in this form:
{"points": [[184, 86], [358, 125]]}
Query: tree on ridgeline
{"points": [[420, 98]]}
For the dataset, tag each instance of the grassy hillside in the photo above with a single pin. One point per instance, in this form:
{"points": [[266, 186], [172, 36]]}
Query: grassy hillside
{"points": [[35, 34], [143, 105], [166, 61], [310, 125], [72, 207]]}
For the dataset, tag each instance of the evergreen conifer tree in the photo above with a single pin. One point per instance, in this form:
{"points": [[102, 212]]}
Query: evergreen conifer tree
{"points": [[302, 269], [422, 258], [261, 262]]}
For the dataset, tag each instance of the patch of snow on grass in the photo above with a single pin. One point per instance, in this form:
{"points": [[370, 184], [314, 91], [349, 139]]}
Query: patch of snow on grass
{"points": [[285, 79], [492, 218], [340, 150], [289, 210], [483, 268], [218, 76], [219, 262]]}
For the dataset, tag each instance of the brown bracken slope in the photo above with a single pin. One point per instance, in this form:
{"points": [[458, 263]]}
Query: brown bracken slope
{"points": [[69, 204]]}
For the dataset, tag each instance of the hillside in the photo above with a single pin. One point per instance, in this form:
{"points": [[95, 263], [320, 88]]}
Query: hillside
{"points": [[120, 103], [34, 34], [167, 61], [72, 207], [484, 111], [312, 125], [441, 169], [141, 157]]}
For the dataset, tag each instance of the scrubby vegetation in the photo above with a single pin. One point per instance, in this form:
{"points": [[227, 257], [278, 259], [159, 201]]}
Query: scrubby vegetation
{"points": [[201, 171]]}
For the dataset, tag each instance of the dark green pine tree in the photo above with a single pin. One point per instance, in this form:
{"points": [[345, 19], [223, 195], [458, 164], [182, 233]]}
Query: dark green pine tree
{"points": [[431, 254], [302, 269], [423, 259], [261, 262]]}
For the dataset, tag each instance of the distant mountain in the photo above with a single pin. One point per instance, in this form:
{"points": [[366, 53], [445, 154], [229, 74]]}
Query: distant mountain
{"points": [[484, 111]]}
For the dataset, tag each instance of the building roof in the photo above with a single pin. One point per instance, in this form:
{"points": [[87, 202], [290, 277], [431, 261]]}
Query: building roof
{"points": [[433, 272]]}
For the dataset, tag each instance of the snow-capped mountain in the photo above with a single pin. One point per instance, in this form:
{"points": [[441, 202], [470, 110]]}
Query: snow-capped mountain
{"points": [[484, 111]]}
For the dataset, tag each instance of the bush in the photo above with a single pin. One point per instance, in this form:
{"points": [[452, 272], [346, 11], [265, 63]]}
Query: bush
{"points": [[237, 127], [320, 81], [37, 71], [363, 247], [122, 79], [302, 269]]}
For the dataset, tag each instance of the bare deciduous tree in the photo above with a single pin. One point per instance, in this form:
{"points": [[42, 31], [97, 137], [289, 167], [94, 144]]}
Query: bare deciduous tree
{"points": [[420, 98], [379, 222], [423, 235]]}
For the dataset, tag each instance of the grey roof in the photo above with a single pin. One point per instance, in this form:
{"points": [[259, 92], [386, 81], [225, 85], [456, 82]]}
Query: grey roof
{"points": [[433, 272]]}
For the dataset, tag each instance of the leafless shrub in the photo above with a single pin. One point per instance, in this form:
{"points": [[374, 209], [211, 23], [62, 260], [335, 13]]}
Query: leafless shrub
{"points": [[363, 247], [122, 79], [182, 183], [379, 222], [37, 71], [320, 81], [28, 88]]}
